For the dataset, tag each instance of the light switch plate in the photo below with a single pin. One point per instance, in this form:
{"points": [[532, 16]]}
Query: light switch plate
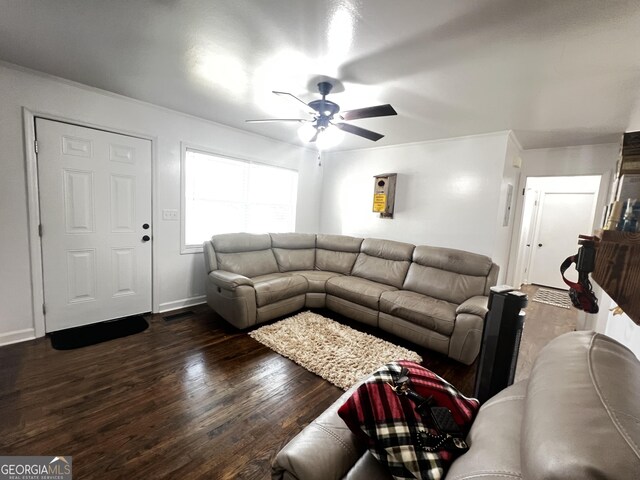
{"points": [[169, 214]]}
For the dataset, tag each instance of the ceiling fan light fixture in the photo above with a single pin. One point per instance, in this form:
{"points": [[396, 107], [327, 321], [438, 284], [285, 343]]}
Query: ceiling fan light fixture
{"points": [[329, 137], [306, 132]]}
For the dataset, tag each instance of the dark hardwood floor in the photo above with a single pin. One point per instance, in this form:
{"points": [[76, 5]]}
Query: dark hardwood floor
{"points": [[542, 324], [191, 398]]}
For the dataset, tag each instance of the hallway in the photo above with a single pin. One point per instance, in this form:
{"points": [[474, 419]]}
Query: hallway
{"points": [[542, 324]]}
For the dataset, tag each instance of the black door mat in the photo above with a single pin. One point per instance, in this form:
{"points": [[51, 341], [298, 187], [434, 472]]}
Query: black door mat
{"points": [[97, 332]]}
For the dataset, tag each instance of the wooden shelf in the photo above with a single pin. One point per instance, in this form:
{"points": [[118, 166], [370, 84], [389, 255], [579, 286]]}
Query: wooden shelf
{"points": [[617, 269]]}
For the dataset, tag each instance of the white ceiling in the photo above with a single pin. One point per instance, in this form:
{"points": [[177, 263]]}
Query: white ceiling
{"points": [[558, 72]]}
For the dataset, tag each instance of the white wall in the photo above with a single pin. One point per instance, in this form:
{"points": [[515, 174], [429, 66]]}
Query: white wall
{"points": [[510, 176], [579, 160], [179, 279], [618, 327], [448, 193], [567, 161]]}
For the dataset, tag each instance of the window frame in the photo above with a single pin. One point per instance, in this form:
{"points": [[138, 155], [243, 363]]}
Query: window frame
{"points": [[184, 147]]}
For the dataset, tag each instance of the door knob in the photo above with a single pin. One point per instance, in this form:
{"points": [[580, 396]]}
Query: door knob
{"points": [[146, 238], [145, 226], [539, 244]]}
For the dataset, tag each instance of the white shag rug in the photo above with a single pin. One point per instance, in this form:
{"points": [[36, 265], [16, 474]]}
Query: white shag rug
{"points": [[336, 352]]}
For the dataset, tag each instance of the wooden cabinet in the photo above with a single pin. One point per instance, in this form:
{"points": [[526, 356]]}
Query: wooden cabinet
{"points": [[617, 269]]}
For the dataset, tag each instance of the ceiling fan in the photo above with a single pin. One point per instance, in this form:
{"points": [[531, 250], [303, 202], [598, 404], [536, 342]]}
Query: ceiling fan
{"points": [[323, 127]]}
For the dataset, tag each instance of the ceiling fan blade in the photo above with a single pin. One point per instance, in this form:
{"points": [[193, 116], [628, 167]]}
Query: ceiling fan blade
{"points": [[295, 98], [368, 112], [269, 120], [362, 132]]}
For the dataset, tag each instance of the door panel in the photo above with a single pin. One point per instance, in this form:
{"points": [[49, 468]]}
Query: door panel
{"points": [[95, 195], [77, 189], [123, 195], [81, 275], [123, 261], [561, 218]]}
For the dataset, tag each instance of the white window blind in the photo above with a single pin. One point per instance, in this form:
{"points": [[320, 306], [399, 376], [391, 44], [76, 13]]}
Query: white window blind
{"points": [[224, 195]]}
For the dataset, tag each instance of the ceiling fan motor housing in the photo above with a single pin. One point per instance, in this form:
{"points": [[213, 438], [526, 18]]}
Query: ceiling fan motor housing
{"points": [[326, 109]]}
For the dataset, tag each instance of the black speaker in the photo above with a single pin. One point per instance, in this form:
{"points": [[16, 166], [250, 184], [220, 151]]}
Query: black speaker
{"points": [[503, 327]]}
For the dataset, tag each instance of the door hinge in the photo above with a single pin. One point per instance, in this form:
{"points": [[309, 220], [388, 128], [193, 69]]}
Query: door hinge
{"points": [[44, 309], [523, 191], [35, 145], [40, 230]]}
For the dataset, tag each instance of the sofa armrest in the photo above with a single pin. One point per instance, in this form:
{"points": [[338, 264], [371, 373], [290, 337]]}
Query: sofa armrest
{"points": [[229, 280], [324, 450], [474, 306], [464, 344]]}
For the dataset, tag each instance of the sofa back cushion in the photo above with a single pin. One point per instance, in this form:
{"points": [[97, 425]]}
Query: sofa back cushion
{"points": [[246, 254], [448, 274], [383, 261], [294, 251], [581, 417], [336, 253]]}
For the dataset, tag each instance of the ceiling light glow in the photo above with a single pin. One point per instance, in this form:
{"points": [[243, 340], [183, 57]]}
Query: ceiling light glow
{"points": [[340, 33], [222, 69], [286, 71], [306, 132], [329, 137]]}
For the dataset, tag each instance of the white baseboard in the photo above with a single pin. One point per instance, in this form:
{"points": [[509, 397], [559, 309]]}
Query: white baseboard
{"points": [[17, 336], [185, 302]]}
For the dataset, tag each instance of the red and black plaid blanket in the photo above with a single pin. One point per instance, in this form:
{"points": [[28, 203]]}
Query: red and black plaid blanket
{"points": [[391, 426]]}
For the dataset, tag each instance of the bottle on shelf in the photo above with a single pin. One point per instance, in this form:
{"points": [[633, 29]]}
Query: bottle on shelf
{"points": [[630, 221]]}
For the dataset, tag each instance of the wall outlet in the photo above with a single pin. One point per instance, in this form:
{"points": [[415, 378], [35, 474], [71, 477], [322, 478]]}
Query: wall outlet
{"points": [[170, 214]]}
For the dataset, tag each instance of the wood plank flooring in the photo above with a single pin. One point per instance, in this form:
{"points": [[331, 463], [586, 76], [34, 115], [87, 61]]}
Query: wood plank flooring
{"points": [[193, 398], [542, 324]]}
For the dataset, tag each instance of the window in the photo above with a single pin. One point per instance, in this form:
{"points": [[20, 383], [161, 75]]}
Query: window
{"points": [[223, 195]]}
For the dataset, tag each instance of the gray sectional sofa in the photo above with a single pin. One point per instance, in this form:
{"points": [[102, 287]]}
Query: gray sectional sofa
{"points": [[434, 297]]}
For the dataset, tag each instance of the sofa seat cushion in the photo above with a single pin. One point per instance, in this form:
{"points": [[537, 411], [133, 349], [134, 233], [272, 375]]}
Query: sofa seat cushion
{"points": [[427, 312], [357, 290], [278, 286], [317, 279]]}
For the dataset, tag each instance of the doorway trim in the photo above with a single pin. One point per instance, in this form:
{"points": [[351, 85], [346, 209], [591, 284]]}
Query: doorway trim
{"points": [[33, 209], [517, 275]]}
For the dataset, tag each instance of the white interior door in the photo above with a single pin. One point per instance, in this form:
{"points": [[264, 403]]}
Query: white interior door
{"points": [[561, 218], [95, 209]]}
